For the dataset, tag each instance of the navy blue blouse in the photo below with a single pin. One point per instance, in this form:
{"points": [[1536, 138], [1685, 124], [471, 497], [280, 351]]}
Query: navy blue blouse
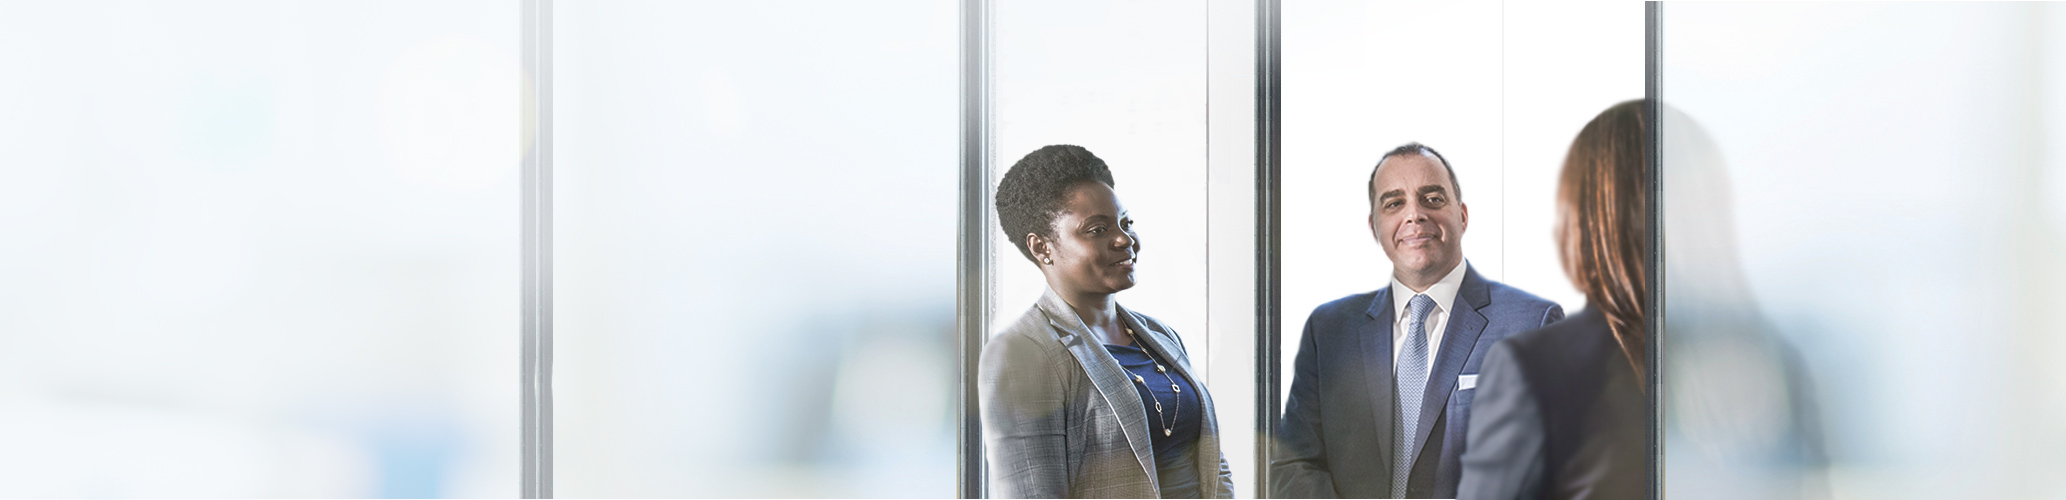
{"points": [[1176, 460]]}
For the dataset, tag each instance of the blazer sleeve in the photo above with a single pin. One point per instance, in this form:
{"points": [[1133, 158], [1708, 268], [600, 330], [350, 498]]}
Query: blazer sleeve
{"points": [[1505, 456], [1298, 468], [1551, 315], [1025, 422]]}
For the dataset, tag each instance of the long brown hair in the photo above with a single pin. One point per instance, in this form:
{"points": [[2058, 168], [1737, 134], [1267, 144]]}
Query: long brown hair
{"points": [[1603, 222]]}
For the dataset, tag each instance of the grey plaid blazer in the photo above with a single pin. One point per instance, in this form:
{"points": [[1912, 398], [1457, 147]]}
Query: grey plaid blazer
{"points": [[1061, 418]]}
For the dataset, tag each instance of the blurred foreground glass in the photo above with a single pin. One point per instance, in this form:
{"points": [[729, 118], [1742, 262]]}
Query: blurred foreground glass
{"points": [[755, 248], [258, 249], [1865, 208]]}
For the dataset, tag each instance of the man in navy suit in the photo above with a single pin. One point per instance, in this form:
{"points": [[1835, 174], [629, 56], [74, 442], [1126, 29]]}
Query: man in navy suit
{"points": [[1382, 385]]}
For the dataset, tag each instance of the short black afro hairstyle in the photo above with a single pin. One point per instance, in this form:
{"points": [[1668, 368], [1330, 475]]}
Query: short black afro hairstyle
{"points": [[1030, 195]]}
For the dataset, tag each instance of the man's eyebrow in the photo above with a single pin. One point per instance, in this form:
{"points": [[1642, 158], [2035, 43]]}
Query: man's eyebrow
{"points": [[1432, 188], [1392, 194]]}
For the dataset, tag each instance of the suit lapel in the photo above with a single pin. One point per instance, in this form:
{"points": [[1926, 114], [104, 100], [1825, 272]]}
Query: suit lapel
{"points": [[1459, 337], [1157, 343], [1376, 353], [1110, 379]]}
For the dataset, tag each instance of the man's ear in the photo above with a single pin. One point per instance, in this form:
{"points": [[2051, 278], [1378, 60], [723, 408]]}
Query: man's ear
{"points": [[1372, 222], [1465, 222]]}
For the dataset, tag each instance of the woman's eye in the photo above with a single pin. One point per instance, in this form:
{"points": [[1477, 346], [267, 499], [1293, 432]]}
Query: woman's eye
{"points": [[1097, 230]]}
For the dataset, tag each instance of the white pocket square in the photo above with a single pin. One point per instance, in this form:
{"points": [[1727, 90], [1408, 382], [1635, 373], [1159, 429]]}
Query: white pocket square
{"points": [[1466, 382]]}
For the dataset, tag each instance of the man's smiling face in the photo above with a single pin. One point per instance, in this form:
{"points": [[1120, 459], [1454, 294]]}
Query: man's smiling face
{"points": [[1417, 219]]}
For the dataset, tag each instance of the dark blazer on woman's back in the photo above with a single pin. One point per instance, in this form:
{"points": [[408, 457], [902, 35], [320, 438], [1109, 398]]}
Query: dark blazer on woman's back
{"points": [[1559, 414]]}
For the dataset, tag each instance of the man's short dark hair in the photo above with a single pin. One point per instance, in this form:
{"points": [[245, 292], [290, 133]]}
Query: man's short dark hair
{"points": [[1030, 195], [1413, 148]]}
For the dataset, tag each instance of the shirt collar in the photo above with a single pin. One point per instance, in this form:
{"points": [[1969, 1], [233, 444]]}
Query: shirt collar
{"points": [[1444, 291]]}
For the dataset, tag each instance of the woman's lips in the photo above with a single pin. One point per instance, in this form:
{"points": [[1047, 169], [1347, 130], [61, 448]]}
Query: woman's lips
{"points": [[1127, 262]]}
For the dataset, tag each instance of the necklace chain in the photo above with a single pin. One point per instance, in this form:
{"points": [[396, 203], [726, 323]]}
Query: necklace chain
{"points": [[1168, 422]]}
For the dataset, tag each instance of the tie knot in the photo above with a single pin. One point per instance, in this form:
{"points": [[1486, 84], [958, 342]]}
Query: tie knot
{"points": [[1419, 307]]}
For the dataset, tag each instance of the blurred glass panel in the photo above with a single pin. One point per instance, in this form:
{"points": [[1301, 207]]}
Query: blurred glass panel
{"points": [[755, 247], [1863, 253], [258, 249]]}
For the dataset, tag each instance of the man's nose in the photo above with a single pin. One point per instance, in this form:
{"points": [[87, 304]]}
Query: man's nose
{"points": [[1415, 215]]}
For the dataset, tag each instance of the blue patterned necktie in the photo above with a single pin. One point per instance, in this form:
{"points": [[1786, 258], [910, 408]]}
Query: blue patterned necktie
{"points": [[1411, 376]]}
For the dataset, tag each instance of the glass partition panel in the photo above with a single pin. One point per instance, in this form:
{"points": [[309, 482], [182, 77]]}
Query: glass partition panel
{"points": [[1126, 81], [1864, 207], [1163, 93], [1498, 90], [755, 248], [258, 249], [1500, 98]]}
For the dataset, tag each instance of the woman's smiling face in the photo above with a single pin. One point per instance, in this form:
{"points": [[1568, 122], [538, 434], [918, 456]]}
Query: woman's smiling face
{"points": [[1094, 248]]}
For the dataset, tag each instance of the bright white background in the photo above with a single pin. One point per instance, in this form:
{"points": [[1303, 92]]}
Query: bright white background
{"points": [[1897, 178], [1499, 88], [1126, 80], [258, 249]]}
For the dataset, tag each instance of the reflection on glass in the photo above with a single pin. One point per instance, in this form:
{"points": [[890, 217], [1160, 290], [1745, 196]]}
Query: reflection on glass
{"points": [[258, 249], [1741, 419], [1862, 280], [755, 218]]}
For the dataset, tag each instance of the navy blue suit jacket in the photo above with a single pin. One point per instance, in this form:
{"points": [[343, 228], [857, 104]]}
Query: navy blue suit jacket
{"points": [[1335, 439], [1563, 416]]}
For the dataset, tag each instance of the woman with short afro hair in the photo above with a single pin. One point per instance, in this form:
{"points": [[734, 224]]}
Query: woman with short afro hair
{"points": [[1080, 397]]}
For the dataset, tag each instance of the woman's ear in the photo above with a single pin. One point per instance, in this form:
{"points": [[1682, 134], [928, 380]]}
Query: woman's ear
{"points": [[1043, 253]]}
